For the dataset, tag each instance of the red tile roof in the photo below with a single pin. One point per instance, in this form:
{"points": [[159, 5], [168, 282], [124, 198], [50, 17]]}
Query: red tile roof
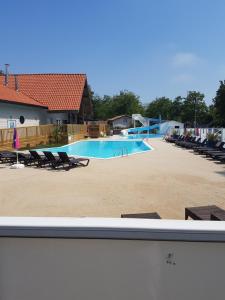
{"points": [[57, 91], [9, 95]]}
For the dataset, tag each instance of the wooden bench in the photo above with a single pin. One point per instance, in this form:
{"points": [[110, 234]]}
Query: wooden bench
{"points": [[153, 215], [201, 212]]}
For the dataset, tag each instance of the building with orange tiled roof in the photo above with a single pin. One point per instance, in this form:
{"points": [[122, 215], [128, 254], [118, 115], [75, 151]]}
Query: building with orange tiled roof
{"points": [[60, 98], [17, 109]]}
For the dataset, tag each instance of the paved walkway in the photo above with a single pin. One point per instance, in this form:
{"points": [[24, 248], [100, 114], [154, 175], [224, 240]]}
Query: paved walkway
{"points": [[164, 180]]}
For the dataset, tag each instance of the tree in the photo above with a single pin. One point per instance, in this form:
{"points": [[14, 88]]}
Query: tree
{"points": [[125, 103], [102, 107], [219, 105], [160, 106], [195, 109], [177, 108]]}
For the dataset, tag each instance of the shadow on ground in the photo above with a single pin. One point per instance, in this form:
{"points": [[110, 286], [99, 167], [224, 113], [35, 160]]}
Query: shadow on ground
{"points": [[221, 172]]}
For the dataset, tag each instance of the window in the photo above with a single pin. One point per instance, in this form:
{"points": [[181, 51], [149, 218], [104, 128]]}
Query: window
{"points": [[11, 123], [22, 119]]}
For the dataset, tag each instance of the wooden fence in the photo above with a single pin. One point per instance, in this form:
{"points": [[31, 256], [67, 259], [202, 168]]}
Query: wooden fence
{"points": [[76, 132], [34, 136]]}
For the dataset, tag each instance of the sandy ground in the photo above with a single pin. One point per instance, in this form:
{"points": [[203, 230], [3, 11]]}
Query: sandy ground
{"points": [[165, 180]]}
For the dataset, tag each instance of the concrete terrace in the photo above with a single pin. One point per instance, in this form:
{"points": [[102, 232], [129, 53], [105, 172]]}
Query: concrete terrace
{"points": [[165, 180]]}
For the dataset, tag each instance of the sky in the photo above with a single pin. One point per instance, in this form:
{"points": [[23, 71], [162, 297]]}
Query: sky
{"points": [[153, 48]]}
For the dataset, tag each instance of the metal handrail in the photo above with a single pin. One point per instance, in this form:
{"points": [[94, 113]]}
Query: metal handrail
{"points": [[121, 152]]}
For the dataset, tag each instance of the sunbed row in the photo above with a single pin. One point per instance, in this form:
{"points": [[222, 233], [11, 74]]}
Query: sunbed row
{"points": [[48, 159], [206, 213], [214, 150]]}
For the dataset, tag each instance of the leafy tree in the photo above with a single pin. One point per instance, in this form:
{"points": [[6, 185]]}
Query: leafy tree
{"points": [[177, 108], [102, 107], [160, 106], [219, 105], [194, 105], [125, 103]]}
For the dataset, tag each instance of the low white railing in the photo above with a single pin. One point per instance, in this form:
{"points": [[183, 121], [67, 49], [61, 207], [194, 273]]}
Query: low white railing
{"points": [[203, 132]]}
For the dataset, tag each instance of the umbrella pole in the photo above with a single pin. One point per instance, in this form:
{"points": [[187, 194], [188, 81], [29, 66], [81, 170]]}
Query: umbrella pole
{"points": [[17, 157]]}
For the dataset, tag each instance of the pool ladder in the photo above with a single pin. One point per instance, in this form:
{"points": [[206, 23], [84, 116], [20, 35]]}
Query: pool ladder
{"points": [[121, 152]]}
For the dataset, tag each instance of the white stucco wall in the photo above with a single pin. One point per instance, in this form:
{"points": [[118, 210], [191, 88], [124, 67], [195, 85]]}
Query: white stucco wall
{"points": [[10, 113]]}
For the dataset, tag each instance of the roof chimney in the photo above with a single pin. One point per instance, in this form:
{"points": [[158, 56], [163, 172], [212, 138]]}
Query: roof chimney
{"points": [[6, 74], [16, 83]]}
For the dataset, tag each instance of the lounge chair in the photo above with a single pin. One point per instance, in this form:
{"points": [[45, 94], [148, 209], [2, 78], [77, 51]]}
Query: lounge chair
{"points": [[153, 215], [201, 149], [7, 157], [39, 160], [218, 151], [53, 160], [180, 141], [25, 158], [72, 162], [218, 147], [188, 141], [201, 212], [220, 157], [218, 216], [203, 144], [195, 142], [173, 138]]}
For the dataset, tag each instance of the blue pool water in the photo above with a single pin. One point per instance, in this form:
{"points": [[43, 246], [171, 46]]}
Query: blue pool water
{"points": [[102, 149]]}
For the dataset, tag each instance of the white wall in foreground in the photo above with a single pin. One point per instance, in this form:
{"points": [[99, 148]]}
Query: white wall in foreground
{"points": [[83, 269]]}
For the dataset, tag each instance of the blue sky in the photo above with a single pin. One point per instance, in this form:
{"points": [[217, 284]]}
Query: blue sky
{"points": [[151, 47]]}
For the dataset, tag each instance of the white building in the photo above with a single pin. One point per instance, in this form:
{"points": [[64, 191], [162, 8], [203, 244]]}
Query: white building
{"points": [[35, 99], [169, 126], [120, 122], [17, 109]]}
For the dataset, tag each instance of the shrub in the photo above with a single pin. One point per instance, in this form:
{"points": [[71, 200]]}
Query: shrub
{"points": [[57, 134], [212, 137]]}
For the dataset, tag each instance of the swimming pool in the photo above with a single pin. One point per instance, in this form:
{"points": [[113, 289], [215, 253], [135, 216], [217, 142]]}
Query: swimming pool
{"points": [[102, 149], [143, 136]]}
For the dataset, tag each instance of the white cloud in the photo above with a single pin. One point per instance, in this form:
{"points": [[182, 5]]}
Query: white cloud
{"points": [[185, 59]]}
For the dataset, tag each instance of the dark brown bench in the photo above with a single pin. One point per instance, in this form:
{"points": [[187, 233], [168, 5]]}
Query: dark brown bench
{"points": [[201, 212], [153, 215], [218, 215]]}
